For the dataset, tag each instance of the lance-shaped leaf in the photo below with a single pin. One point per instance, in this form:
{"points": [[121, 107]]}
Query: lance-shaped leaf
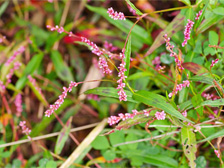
{"points": [[62, 137], [133, 7], [202, 79], [127, 56], [139, 34], [213, 103], [137, 119], [196, 100], [109, 92], [61, 68], [158, 101], [174, 26], [213, 136], [189, 145], [33, 64], [195, 68]]}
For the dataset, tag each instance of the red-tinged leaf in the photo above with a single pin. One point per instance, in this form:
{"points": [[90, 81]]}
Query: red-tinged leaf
{"points": [[195, 68], [62, 137], [174, 26]]}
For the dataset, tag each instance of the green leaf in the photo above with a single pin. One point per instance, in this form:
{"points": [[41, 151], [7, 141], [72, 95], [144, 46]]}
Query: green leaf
{"points": [[202, 79], [42, 162], [62, 137], [219, 11], [213, 37], [213, 103], [200, 162], [208, 22], [160, 160], [127, 56], [131, 137], [109, 92], [196, 100], [133, 7], [33, 64], [116, 138], [174, 26], [100, 142], [16, 163], [109, 155], [61, 68], [213, 136], [3, 7], [51, 164], [189, 145], [186, 2], [138, 33], [158, 101]]}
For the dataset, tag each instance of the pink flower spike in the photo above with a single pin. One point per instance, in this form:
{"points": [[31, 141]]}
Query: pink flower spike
{"points": [[2, 87], [160, 115], [104, 66], [214, 62], [18, 104], [115, 15], [187, 31], [25, 129], [56, 28], [184, 113], [59, 102], [217, 153], [198, 15], [17, 52]]}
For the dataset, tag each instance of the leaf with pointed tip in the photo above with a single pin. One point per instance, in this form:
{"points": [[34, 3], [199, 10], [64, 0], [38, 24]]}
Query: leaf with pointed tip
{"points": [[213, 136], [62, 137], [109, 92], [127, 56], [133, 7], [213, 103], [158, 101], [195, 68]]}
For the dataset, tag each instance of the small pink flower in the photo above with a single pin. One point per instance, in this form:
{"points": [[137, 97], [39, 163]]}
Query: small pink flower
{"points": [[160, 115], [214, 62], [59, 102], [156, 61], [198, 15], [217, 153], [104, 66], [109, 47], [11, 72], [115, 15], [56, 28], [17, 52], [50, 1], [2, 39], [18, 104], [187, 31], [95, 49], [25, 129], [184, 113]]}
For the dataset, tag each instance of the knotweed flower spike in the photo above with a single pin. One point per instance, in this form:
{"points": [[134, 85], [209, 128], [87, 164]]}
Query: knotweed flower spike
{"points": [[121, 85], [18, 104], [184, 113], [115, 15], [217, 153], [179, 87], [214, 62], [187, 32], [56, 28], [160, 115], [59, 102], [11, 72], [109, 47], [25, 129], [33, 81], [17, 52], [198, 15], [104, 66], [170, 47], [115, 119]]}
